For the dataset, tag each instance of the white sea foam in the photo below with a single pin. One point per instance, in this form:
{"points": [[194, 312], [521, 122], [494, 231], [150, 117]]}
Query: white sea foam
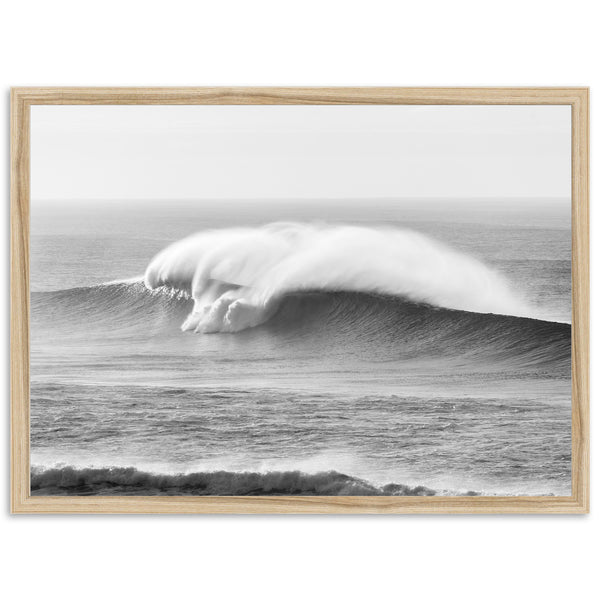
{"points": [[236, 276]]}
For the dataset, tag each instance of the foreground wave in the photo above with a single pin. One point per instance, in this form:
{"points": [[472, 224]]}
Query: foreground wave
{"points": [[236, 276], [125, 481]]}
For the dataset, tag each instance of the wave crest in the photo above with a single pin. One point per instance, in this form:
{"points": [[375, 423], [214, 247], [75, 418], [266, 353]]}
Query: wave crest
{"points": [[237, 276]]}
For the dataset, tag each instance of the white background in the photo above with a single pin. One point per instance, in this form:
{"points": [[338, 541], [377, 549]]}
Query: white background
{"points": [[415, 43]]}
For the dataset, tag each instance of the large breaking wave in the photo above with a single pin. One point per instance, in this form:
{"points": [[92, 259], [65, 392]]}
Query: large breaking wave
{"points": [[237, 277], [382, 293]]}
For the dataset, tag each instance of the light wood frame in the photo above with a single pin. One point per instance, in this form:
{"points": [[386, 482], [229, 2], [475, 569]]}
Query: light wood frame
{"points": [[22, 501]]}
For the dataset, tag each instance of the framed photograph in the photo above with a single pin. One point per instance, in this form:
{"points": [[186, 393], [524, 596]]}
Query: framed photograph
{"points": [[299, 300]]}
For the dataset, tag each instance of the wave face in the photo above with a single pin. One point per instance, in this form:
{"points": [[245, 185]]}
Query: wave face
{"points": [[236, 277], [122, 481], [381, 327], [392, 329]]}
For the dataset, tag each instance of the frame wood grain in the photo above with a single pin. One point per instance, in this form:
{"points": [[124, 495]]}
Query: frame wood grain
{"points": [[22, 501]]}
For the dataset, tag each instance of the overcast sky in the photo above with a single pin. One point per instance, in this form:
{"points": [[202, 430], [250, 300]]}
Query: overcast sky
{"points": [[278, 152]]}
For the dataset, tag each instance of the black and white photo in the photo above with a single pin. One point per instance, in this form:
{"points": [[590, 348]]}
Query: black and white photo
{"points": [[301, 300]]}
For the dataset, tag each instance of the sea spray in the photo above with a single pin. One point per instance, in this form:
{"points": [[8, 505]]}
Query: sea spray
{"points": [[236, 276]]}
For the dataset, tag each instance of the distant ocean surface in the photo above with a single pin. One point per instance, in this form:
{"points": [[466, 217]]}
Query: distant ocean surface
{"points": [[352, 348]]}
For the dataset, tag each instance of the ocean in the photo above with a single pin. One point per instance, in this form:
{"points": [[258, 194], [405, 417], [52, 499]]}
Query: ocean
{"points": [[376, 347]]}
